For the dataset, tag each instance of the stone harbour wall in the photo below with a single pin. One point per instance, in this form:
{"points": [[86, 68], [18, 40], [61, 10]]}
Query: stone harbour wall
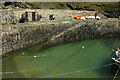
{"points": [[24, 35], [14, 38], [88, 30]]}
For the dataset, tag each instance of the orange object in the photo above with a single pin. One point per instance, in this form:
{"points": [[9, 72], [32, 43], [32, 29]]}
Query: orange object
{"points": [[78, 17], [37, 12]]}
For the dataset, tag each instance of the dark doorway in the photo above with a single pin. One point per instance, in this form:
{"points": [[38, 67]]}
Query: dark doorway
{"points": [[33, 16], [26, 16]]}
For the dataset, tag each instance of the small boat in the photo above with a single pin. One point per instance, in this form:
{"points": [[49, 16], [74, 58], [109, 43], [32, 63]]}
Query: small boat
{"points": [[116, 57]]}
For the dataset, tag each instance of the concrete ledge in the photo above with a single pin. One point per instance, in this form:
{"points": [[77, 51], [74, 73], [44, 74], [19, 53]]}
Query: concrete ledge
{"points": [[14, 16]]}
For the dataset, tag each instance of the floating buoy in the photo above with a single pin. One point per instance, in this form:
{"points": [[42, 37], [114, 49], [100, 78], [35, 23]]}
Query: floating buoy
{"points": [[34, 56], [82, 47], [117, 48]]}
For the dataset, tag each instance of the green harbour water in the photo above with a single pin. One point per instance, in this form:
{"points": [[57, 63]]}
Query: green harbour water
{"points": [[65, 58]]}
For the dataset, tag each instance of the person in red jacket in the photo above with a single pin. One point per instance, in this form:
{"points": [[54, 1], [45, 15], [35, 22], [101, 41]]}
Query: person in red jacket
{"points": [[38, 15]]}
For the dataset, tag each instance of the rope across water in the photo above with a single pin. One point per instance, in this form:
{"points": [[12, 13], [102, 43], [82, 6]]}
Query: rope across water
{"points": [[75, 71]]}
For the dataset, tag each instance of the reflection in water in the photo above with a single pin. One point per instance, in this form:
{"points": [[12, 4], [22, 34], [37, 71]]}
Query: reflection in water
{"points": [[62, 59]]}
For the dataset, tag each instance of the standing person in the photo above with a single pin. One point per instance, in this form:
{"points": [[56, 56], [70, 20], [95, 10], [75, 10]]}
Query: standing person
{"points": [[96, 15], [38, 15]]}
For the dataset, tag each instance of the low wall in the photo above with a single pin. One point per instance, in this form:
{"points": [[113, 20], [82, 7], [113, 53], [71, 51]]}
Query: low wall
{"points": [[25, 35]]}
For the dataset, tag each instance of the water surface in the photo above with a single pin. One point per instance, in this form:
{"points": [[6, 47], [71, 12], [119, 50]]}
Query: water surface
{"points": [[64, 61]]}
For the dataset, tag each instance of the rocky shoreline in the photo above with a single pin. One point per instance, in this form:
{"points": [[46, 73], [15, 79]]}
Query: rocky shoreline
{"points": [[19, 36]]}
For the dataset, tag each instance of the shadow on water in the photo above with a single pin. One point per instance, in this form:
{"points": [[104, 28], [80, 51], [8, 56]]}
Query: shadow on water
{"points": [[109, 71], [9, 68], [114, 41], [108, 41], [111, 43], [50, 45]]}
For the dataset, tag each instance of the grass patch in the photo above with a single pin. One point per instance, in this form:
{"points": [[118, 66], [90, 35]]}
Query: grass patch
{"points": [[14, 23], [8, 23], [4, 23]]}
